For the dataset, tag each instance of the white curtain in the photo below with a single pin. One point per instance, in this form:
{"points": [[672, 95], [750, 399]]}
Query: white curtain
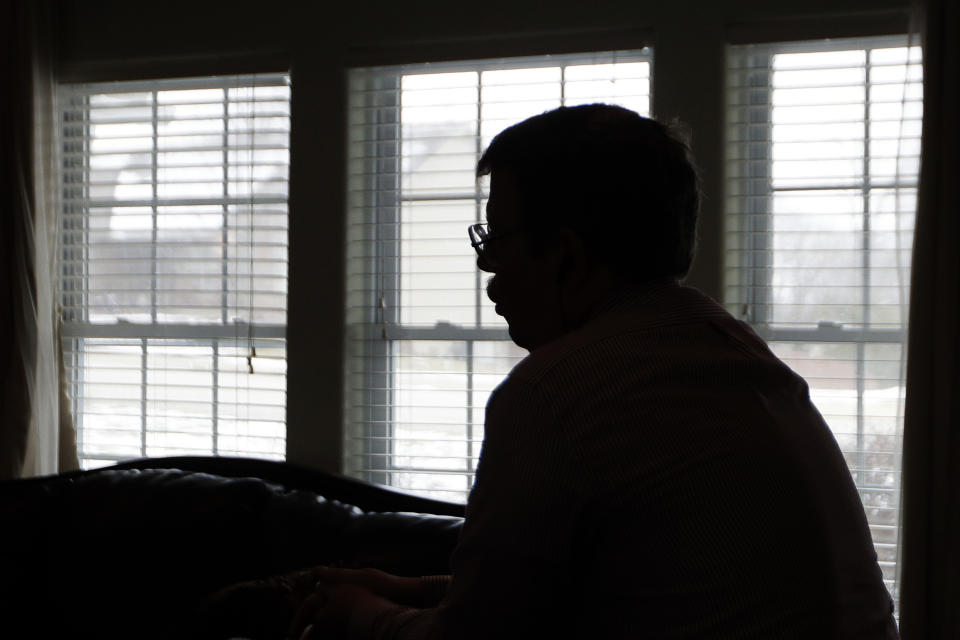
{"points": [[36, 431], [930, 593]]}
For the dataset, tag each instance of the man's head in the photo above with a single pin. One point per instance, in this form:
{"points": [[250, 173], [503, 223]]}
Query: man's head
{"points": [[591, 198]]}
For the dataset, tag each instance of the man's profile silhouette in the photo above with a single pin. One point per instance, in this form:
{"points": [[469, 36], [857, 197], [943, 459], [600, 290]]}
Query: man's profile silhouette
{"points": [[651, 469]]}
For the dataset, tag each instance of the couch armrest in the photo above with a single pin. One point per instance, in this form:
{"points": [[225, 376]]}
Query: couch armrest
{"points": [[367, 496]]}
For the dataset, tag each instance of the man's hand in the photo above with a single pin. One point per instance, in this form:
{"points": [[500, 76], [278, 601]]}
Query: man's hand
{"points": [[401, 590], [339, 611], [347, 600]]}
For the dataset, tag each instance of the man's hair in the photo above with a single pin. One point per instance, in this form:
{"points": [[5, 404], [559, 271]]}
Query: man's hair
{"points": [[625, 184]]}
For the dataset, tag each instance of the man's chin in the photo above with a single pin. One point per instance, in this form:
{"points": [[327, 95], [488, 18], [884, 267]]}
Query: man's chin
{"points": [[519, 338]]}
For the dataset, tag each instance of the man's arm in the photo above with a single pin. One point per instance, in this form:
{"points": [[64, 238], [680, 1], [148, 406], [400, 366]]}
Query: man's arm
{"points": [[512, 572], [511, 569]]}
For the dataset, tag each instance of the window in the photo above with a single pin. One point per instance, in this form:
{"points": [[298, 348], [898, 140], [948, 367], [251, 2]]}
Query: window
{"points": [[822, 161], [173, 265], [425, 347]]}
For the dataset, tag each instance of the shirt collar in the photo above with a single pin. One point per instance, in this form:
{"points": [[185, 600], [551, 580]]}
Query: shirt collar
{"points": [[632, 297]]}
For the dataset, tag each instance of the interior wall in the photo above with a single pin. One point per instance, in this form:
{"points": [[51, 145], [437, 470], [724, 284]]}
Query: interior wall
{"points": [[113, 40]]}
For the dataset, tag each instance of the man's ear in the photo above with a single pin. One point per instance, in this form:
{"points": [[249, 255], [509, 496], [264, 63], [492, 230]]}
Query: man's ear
{"points": [[573, 263], [580, 282]]}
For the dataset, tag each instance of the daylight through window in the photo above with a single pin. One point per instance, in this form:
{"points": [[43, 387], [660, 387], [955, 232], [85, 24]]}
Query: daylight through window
{"points": [[425, 347], [822, 162], [173, 265]]}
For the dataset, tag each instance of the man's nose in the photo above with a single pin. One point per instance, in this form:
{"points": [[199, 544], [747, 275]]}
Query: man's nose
{"points": [[483, 263]]}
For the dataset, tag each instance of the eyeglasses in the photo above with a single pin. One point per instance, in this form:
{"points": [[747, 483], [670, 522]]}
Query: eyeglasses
{"points": [[480, 235]]}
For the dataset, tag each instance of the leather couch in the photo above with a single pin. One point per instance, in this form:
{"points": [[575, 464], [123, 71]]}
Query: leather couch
{"points": [[137, 549]]}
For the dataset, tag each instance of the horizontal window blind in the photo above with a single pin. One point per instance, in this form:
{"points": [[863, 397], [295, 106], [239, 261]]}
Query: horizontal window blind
{"points": [[822, 161], [425, 347], [173, 265]]}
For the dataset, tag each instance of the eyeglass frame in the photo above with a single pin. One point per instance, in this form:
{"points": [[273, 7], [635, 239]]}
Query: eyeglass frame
{"points": [[479, 236]]}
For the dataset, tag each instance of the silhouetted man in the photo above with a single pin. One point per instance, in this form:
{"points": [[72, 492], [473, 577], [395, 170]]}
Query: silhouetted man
{"points": [[650, 469]]}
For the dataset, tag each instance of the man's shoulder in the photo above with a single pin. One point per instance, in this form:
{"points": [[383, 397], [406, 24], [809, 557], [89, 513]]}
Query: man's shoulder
{"points": [[654, 326]]}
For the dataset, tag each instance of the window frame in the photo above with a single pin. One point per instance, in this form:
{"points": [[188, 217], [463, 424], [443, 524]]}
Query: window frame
{"points": [[748, 288], [76, 328], [382, 331]]}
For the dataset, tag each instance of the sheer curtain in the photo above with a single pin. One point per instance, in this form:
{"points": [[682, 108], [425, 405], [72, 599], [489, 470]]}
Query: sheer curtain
{"points": [[931, 447], [36, 431]]}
